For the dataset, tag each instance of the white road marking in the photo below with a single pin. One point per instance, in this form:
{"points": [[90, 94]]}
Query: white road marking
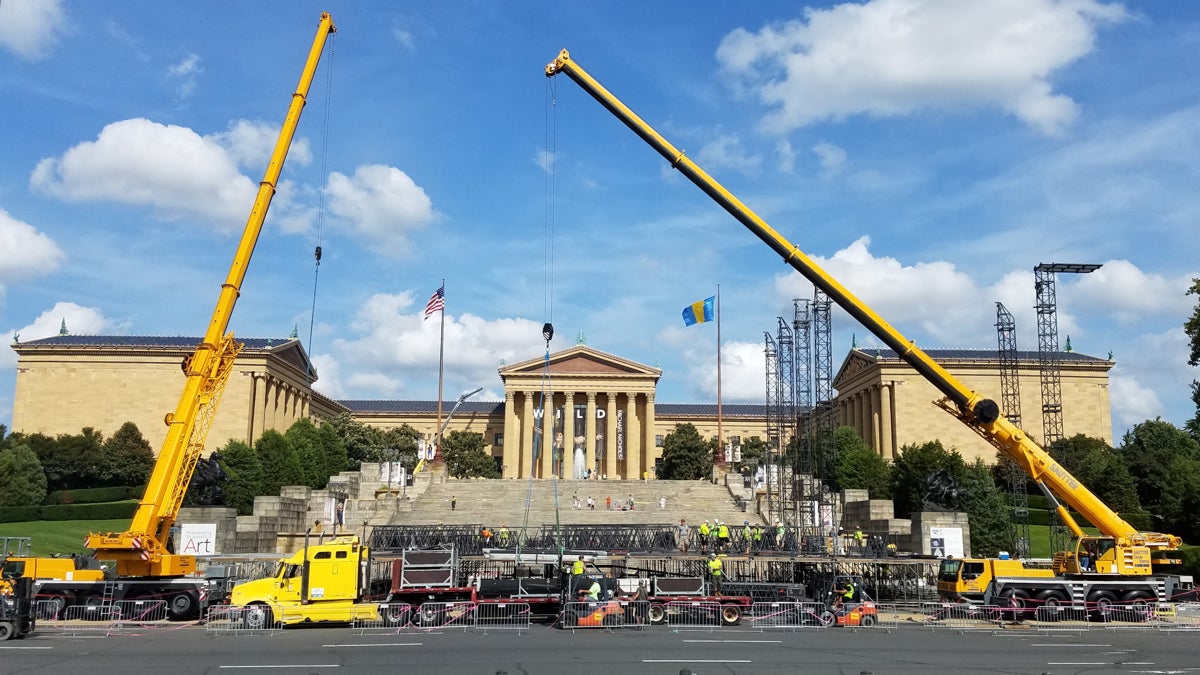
{"points": [[1067, 644], [379, 644], [696, 661], [290, 665], [750, 641], [22, 647]]}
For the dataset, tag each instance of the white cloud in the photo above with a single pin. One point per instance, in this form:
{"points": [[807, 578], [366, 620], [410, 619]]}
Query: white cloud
{"points": [[79, 320], [250, 143], [936, 296], [1122, 289], [404, 37], [1131, 402], [831, 157], [381, 204], [545, 160], [726, 151], [184, 73], [787, 156], [170, 168], [897, 57], [28, 252], [392, 352], [31, 28]]}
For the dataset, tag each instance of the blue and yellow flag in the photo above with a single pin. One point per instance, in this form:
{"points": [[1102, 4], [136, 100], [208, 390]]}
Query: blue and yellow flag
{"points": [[699, 311]]}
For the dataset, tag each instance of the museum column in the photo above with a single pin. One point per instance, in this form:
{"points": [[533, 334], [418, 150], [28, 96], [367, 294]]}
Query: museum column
{"points": [[610, 436], [547, 448], [633, 439], [568, 450], [589, 433], [651, 444], [887, 448], [510, 428], [525, 429]]}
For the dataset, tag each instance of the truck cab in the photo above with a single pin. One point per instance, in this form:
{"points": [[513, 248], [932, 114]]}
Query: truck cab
{"points": [[320, 583]]}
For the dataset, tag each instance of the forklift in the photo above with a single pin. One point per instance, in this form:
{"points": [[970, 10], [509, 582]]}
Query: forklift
{"points": [[16, 608]]}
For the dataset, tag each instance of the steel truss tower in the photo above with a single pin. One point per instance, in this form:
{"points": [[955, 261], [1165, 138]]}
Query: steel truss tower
{"points": [[774, 410], [1010, 389], [1050, 365], [782, 500]]}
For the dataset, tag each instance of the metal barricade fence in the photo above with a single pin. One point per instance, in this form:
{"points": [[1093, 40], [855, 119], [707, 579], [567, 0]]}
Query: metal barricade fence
{"points": [[230, 620], [605, 614], [48, 610], [957, 616], [789, 615], [502, 616], [1182, 616], [688, 614], [1124, 616], [141, 613], [892, 615], [1061, 618], [89, 619], [444, 615]]}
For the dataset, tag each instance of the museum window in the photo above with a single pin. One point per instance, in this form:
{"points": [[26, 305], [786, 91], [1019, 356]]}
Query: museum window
{"points": [[658, 441], [499, 439]]}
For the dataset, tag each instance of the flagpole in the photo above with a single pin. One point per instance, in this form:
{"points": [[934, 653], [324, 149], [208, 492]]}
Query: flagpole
{"points": [[441, 353], [720, 437]]}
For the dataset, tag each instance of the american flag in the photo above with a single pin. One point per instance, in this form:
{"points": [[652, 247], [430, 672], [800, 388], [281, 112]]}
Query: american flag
{"points": [[436, 303]]}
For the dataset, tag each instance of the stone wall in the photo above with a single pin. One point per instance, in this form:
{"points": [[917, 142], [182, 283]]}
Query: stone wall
{"points": [[923, 521]]}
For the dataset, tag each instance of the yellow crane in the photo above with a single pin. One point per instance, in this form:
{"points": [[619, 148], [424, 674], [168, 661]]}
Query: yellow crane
{"points": [[141, 553], [1130, 554]]}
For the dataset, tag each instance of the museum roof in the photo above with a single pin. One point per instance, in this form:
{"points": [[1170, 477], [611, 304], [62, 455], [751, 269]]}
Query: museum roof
{"points": [[422, 407], [975, 355], [166, 341]]}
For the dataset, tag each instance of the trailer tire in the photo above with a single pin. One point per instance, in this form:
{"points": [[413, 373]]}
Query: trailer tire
{"points": [[658, 614], [258, 617], [731, 615], [428, 616], [395, 615], [55, 607], [182, 606], [7, 632], [1103, 605]]}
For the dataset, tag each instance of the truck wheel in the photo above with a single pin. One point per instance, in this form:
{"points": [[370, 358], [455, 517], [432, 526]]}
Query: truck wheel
{"points": [[1103, 605], [181, 606], [257, 617], [1052, 605], [731, 615], [7, 632], [658, 614], [1140, 605], [54, 607], [395, 615], [429, 616]]}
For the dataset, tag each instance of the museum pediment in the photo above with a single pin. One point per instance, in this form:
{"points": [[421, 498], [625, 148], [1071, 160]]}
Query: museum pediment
{"points": [[581, 360]]}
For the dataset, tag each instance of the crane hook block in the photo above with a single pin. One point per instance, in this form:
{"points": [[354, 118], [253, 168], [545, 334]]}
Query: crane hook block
{"points": [[548, 331]]}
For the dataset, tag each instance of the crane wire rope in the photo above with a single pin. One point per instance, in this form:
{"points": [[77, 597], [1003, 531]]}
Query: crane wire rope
{"points": [[312, 315], [540, 443]]}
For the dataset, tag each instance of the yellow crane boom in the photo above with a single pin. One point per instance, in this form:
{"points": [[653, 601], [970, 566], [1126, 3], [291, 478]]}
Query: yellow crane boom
{"points": [[978, 412], [142, 549]]}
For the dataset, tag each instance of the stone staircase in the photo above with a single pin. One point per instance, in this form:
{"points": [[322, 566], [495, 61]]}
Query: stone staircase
{"points": [[502, 502]]}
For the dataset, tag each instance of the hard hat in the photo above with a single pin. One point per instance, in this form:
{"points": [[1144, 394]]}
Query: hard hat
{"points": [[712, 555], [745, 522]]}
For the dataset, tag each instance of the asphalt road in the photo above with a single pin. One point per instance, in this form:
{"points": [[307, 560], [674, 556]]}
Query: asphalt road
{"points": [[655, 651]]}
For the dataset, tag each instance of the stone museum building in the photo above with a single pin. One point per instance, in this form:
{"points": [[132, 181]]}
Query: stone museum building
{"points": [[601, 410]]}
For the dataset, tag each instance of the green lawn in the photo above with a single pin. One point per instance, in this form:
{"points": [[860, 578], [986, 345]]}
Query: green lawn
{"points": [[60, 536]]}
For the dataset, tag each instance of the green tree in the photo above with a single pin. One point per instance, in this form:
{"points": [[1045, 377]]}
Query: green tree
{"points": [[920, 472], [754, 449], [22, 482], [305, 440], [336, 459], [128, 458], [1165, 463], [859, 467], [465, 457], [1192, 328], [1098, 467], [986, 509], [363, 443], [686, 456], [244, 476], [280, 463], [74, 460]]}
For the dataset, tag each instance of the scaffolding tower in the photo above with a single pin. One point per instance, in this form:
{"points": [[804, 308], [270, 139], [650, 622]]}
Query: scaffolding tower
{"points": [[774, 423], [1010, 389], [781, 500], [824, 415], [1050, 365]]}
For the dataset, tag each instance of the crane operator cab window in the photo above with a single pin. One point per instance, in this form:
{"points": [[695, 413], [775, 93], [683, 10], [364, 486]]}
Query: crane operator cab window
{"points": [[972, 570], [948, 571]]}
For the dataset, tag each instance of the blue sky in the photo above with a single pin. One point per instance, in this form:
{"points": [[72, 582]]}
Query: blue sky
{"points": [[929, 154]]}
